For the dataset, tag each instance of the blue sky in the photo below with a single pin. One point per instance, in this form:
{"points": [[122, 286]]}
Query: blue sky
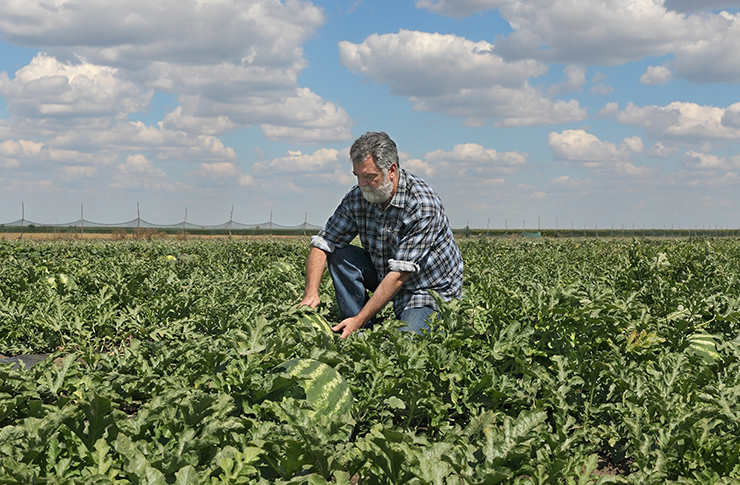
{"points": [[620, 112]]}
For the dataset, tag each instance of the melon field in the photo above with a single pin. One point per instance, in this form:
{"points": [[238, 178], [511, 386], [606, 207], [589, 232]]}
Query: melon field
{"points": [[188, 362]]}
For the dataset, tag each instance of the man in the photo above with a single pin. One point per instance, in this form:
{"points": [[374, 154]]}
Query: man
{"points": [[407, 244]]}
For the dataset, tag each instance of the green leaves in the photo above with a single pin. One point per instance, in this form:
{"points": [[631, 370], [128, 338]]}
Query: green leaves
{"points": [[596, 362]]}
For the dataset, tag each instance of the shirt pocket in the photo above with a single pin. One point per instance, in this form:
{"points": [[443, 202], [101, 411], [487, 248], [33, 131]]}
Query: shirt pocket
{"points": [[391, 234]]}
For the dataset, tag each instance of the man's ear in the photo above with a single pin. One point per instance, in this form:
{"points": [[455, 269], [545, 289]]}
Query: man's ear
{"points": [[393, 170]]}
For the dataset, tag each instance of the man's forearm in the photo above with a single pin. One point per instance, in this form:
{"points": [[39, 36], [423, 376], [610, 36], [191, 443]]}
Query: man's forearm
{"points": [[383, 294], [314, 272]]}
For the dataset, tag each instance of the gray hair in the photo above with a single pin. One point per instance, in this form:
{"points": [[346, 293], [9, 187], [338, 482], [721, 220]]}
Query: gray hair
{"points": [[379, 145]]}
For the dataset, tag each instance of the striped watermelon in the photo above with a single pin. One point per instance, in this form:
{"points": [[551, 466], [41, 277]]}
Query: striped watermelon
{"points": [[324, 389], [317, 321], [283, 267], [704, 344]]}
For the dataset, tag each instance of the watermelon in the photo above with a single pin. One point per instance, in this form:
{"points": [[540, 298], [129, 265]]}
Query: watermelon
{"points": [[283, 267], [704, 345], [61, 282], [323, 388], [317, 321]]}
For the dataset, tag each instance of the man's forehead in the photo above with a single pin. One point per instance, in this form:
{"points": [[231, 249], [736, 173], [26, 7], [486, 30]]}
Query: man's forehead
{"points": [[367, 164]]}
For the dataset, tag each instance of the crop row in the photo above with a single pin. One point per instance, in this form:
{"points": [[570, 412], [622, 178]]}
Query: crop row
{"points": [[565, 362]]}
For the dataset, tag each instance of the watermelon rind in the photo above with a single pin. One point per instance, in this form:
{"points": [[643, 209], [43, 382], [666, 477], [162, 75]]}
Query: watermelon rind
{"points": [[325, 390], [317, 321], [704, 345]]}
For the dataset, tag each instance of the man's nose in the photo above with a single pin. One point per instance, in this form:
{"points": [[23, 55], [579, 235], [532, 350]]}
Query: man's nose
{"points": [[363, 182]]}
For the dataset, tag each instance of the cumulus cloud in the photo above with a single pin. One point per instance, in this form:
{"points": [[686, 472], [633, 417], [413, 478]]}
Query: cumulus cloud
{"points": [[416, 166], [570, 184], [581, 31], [731, 116], [322, 161], [49, 89], [78, 172], [128, 33], [222, 173], [161, 143], [584, 149], [473, 160], [694, 6], [429, 64], [459, 8], [656, 75], [614, 32], [693, 160], [609, 110], [139, 173], [599, 85], [28, 155], [455, 76], [661, 151], [214, 125], [20, 148], [576, 78], [681, 120], [242, 55]]}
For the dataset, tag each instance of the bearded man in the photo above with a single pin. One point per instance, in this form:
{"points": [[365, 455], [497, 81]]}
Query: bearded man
{"points": [[407, 244]]}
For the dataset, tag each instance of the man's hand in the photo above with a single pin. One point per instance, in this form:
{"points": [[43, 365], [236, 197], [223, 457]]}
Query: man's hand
{"points": [[312, 301], [383, 294], [348, 326]]}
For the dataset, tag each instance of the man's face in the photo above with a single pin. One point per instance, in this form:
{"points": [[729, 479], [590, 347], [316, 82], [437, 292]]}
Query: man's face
{"points": [[376, 187]]}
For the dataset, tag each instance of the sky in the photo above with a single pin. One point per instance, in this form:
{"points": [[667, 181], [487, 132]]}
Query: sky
{"points": [[519, 113]]}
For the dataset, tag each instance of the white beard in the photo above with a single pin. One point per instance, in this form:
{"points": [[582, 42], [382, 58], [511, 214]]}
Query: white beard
{"points": [[381, 194]]}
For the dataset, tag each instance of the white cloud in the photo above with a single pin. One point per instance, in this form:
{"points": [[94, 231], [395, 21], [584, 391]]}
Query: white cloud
{"points": [[731, 117], [20, 148], [49, 89], [416, 166], [599, 85], [128, 33], [576, 78], [586, 150], [30, 156], [138, 172], [512, 107], [680, 121], [706, 161], [583, 31], [609, 110], [215, 125], [693, 5], [471, 159], [455, 76], [322, 161], [232, 62], [458, 8], [138, 137], [78, 172], [301, 117], [661, 151], [656, 75], [613, 32], [714, 57], [431, 64], [223, 173], [570, 184]]}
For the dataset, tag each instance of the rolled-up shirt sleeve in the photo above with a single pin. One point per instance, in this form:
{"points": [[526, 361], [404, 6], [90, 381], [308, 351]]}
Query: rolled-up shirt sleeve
{"points": [[402, 266], [339, 230], [321, 243]]}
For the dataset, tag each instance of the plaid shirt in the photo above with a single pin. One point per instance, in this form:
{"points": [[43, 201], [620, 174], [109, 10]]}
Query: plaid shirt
{"points": [[412, 234]]}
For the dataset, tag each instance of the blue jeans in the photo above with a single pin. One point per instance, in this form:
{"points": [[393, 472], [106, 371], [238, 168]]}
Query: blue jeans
{"points": [[353, 274]]}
